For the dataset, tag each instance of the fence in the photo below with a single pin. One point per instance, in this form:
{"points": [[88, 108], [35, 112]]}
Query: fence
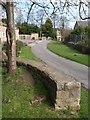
{"points": [[79, 42], [76, 38]]}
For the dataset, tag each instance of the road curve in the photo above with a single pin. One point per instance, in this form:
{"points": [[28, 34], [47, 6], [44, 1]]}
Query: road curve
{"points": [[74, 69]]}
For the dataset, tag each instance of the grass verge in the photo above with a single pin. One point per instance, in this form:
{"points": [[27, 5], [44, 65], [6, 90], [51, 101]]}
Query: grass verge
{"points": [[84, 113], [17, 94], [69, 53], [27, 54]]}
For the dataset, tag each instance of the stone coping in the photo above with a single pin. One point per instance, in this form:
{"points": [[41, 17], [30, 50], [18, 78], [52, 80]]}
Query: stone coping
{"points": [[56, 75]]}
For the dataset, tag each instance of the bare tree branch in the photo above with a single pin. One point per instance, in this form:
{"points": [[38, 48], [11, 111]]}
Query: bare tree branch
{"points": [[80, 5], [3, 5], [30, 11], [61, 7]]}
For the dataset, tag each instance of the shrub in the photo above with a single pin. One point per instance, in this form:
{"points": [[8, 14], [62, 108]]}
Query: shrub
{"points": [[19, 45], [81, 48]]}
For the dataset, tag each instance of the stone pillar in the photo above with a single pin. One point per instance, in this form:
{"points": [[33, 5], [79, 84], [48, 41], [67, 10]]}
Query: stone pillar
{"points": [[68, 96]]}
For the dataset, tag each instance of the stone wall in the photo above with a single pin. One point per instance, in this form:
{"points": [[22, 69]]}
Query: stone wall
{"points": [[64, 91]]}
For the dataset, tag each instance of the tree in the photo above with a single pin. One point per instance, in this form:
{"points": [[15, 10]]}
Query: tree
{"points": [[78, 31], [54, 19], [33, 28], [26, 28], [23, 28], [19, 17], [11, 40], [40, 16], [47, 29], [10, 34], [66, 7], [87, 29]]}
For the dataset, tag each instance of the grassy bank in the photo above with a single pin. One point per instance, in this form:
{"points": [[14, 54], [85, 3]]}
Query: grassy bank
{"points": [[17, 93], [84, 104], [27, 53], [69, 53]]}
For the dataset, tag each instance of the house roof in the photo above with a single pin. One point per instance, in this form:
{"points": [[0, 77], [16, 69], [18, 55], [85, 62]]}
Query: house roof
{"points": [[82, 23]]}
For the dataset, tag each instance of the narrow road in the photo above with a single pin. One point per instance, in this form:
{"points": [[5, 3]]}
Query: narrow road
{"points": [[76, 70]]}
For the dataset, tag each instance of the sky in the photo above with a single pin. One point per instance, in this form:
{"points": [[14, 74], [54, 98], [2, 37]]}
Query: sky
{"points": [[24, 5], [24, 8]]}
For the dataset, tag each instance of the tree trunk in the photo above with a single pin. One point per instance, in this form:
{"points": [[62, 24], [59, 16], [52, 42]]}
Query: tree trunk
{"points": [[11, 39]]}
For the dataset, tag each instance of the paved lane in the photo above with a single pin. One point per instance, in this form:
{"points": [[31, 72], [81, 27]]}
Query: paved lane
{"points": [[76, 70]]}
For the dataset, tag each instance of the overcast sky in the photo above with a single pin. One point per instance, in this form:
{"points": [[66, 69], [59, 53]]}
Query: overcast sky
{"points": [[24, 6]]}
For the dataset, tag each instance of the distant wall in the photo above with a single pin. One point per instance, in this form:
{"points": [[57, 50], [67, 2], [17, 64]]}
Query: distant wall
{"points": [[24, 37], [33, 36]]}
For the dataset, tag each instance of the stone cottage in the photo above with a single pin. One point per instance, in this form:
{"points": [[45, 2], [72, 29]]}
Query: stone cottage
{"points": [[3, 32]]}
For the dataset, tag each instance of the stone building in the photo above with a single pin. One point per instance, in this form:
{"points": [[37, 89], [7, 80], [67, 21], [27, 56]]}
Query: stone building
{"points": [[59, 36], [33, 36], [82, 24], [63, 33], [24, 37], [3, 32]]}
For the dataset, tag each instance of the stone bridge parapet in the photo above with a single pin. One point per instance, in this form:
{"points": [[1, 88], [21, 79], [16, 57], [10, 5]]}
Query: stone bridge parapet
{"points": [[64, 90]]}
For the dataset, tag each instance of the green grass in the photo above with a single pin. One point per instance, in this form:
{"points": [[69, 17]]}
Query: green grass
{"points": [[84, 103], [69, 53], [27, 54], [17, 94]]}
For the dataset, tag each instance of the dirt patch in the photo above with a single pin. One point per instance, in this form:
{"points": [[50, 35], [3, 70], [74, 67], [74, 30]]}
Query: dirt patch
{"points": [[28, 77], [37, 99]]}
